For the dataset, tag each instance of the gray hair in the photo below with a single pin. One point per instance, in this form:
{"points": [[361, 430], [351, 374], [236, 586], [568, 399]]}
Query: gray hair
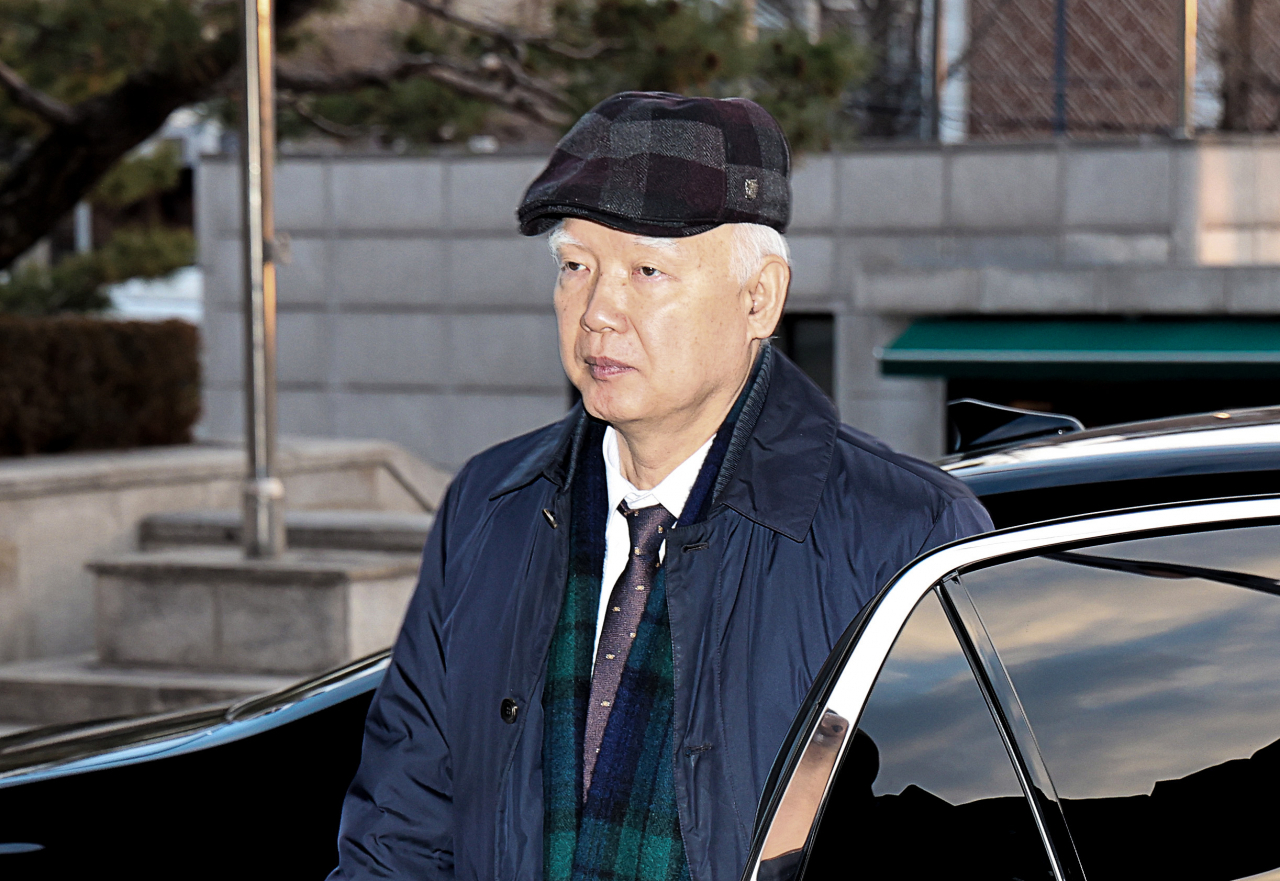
{"points": [[752, 243]]}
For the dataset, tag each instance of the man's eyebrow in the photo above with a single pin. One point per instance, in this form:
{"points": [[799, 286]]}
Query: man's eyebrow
{"points": [[666, 244], [559, 238]]}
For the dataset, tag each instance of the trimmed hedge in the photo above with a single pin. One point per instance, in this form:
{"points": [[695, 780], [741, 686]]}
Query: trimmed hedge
{"points": [[76, 383]]}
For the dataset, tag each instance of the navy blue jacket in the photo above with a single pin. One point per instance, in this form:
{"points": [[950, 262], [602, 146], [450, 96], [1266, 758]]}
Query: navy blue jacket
{"points": [[816, 518]]}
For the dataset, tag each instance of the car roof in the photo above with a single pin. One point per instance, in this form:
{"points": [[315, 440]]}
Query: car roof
{"points": [[1207, 443]]}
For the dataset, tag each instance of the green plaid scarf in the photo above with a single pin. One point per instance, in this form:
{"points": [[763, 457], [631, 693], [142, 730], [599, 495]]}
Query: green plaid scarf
{"points": [[629, 827], [568, 684]]}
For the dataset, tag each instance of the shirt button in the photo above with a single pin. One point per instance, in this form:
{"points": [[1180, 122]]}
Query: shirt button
{"points": [[510, 709]]}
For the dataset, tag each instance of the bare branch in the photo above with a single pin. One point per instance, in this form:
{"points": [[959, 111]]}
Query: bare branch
{"points": [[522, 94], [515, 41], [45, 106], [302, 107], [517, 99], [586, 53], [519, 76], [488, 29]]}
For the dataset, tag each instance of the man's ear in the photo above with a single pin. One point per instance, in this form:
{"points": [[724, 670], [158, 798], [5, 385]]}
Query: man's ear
{"points": [[768, 296]]}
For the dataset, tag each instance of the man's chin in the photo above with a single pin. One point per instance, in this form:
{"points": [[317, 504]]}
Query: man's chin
{"points": [[608, 408]]}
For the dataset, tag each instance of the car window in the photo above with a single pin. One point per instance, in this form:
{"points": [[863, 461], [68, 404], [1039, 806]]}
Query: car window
{"points": [[1149, 671], [925, 787]]}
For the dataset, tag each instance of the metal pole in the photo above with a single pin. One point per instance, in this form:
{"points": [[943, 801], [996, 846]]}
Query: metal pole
{"points": [[263, 533], [1188, 23], [1060, 70], [938, 67]]}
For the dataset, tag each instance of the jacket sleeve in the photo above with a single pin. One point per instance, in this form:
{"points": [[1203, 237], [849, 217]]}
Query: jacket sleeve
{"points": [[963, 517], [397, 819]]}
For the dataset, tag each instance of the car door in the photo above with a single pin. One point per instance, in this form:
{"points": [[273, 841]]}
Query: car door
{"points": [[1092, 698]]}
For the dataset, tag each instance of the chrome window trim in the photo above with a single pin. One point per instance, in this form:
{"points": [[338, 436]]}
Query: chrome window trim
{"points": [[1015, 729], [855, 680]]}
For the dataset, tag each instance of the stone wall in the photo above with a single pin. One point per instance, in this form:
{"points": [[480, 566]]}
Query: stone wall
{"points": [[412, 311]]}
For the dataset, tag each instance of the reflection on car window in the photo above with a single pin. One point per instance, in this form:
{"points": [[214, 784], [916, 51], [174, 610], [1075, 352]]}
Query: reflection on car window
{"points": [[1150, 673], [926, 788]]}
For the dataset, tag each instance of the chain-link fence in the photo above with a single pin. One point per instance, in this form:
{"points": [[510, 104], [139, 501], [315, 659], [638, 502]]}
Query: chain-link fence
{"points": [[1084, 67], [1014, 69]]}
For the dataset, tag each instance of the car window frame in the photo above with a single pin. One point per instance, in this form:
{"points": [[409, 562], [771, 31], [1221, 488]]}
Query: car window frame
{"points": [[847, 678]]}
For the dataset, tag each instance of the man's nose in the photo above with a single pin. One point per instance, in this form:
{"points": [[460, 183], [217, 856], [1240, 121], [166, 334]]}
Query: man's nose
{"points": [[606, 305]]}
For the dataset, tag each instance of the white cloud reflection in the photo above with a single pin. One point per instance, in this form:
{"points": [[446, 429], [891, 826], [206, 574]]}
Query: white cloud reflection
{"points": [[1126, 679], [1129, 679]]}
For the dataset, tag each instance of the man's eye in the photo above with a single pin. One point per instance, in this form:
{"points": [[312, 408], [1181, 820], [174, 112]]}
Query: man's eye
{"points": [[649, 271], [570, 266]]}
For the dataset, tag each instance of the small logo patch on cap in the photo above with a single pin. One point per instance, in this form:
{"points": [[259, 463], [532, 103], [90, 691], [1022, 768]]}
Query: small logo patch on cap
{"points": [[753, 188]]}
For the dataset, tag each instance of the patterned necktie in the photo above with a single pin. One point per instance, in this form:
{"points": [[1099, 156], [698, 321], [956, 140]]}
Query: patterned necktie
{"points": [[648, 528]]}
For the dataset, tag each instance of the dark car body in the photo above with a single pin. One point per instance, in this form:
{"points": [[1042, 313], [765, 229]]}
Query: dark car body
{"points": [[254, 789], [1187, 458]]}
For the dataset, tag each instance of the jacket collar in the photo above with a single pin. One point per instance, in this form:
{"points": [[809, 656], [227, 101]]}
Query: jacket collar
{"points": [[553, 456], [781, 464], [784, 461]]}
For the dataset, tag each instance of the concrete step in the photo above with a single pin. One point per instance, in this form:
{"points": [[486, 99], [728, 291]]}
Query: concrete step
{"points": [[209, 608], [352, 530], [79, 688]]}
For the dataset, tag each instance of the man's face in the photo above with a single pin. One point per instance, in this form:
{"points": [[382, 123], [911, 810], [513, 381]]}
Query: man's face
{"points": [[652, 331]]}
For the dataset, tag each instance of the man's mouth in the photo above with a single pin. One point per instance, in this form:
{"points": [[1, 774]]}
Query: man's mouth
{"points": [[605, 368]]}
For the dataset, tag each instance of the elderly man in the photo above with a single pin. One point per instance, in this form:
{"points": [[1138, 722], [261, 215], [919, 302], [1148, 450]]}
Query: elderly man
{"points": [[619, 614]]}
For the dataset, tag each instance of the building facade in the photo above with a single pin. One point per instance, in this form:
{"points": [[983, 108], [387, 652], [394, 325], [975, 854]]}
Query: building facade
{"points": [[411, 310]]}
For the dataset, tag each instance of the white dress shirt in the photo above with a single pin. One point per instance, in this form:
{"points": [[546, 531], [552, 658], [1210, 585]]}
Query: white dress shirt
{"points": [[672, 493]]}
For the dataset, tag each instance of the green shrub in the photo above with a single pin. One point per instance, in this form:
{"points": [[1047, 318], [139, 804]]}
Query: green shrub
{"points": [[75, 383], [75, 284]]}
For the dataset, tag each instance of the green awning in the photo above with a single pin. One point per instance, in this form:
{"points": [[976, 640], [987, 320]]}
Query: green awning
{"points": [[1102, 349]]}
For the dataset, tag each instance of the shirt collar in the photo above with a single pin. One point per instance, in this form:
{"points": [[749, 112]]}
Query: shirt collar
{"points": [[777, 476], [671, 493]]}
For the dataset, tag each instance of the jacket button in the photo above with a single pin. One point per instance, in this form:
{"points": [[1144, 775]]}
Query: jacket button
{"points": [[510, 709]]}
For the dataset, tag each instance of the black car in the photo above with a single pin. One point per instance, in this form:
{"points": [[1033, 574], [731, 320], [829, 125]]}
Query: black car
{"points": [[1094, 695], [1211, 456]]}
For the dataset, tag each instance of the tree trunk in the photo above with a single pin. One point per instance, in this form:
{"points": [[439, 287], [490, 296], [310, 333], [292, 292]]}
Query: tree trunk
{"points": [[48, 182]]}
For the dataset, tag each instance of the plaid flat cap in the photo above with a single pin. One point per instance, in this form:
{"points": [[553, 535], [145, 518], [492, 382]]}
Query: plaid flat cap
{"points": [[658, 164]]}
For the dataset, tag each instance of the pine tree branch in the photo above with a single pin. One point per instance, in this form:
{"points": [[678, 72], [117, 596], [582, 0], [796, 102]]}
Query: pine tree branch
{"points": [[40, 188], [301, 106], [515, 41], [47, 107], [522, 94], [512, 39], [86, 140]]}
